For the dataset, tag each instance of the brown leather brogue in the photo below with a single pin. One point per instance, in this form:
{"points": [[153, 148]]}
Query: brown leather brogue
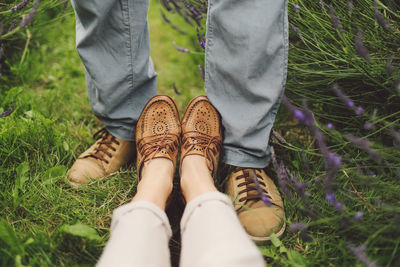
{"points": [[158, 132], [257, 202], [202, 132], [104, 157]]}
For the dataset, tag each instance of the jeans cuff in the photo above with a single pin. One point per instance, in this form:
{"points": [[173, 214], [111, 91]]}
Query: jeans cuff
{"points": [[122, 133], [240, 159]]}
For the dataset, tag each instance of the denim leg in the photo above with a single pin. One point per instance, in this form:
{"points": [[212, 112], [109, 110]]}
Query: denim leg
{"points": [[112, 39], [246, 66]]}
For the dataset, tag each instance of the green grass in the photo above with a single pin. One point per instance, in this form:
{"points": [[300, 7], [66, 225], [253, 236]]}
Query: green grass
{"points": [[52, 124]]}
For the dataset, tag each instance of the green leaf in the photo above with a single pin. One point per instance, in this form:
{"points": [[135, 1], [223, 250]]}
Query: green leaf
{"points": [[296, 259], [22, 176], [269, 252], [275, 240], [9, 237], [65, 146], [81, 230], [55, 172]]}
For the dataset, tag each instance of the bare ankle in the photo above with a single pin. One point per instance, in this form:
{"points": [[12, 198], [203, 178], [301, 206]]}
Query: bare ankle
{"points": [[156, 183], [196, 178]]}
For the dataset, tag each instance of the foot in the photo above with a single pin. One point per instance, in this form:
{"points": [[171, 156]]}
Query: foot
{"points": [[257, 202], [157, 132], [201, 147], [202, 132], [104, 157]]}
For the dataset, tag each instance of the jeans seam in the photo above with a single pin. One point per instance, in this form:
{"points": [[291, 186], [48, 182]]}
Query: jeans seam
{"points": [[125, 9], [209, 35], [285, 47]]}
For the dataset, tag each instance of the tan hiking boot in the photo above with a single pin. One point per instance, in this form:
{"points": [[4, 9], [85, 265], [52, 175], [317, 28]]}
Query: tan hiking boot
{"points": [[104, 157], [158, 132], [202, 133], [257, 202]]}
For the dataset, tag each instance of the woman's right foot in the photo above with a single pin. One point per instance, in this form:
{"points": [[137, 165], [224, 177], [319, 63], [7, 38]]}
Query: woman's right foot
{"points": [[158, 132]]}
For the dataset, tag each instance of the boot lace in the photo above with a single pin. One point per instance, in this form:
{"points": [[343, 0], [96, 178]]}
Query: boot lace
{"points": [[205, 144], [156, 144], [254, 187], [104, 145]]}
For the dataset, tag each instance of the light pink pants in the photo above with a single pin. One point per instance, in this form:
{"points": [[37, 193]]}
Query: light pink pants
{"points": [[211, 236]]}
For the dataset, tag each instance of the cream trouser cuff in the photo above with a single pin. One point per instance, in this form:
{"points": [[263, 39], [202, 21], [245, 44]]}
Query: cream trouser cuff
{"points": [[211, 236]]}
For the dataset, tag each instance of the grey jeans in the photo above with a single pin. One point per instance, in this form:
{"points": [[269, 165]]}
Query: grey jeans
{"points": [[245, 68]]}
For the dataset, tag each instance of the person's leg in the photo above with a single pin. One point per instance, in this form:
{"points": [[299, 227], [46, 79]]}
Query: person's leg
{"points": [[140, 233], [140, 230], [211, 232], [112, 39], [245, 73]]}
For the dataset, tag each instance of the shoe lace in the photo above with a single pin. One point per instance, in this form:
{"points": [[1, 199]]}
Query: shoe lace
{"points": [[150, 148], [104, 145], [208, 144], [254, 187]]}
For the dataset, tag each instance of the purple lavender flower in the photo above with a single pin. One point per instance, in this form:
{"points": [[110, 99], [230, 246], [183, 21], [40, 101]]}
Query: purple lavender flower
{"points": [[301, 188], [300, 227], [329, 125], [358, 215], [180, 49], [297, 227], [13, 25], [334, 159], [19, 6], [331, 198], [322, 5], [298, 114], [339, 206], [350, 6], [335, 20], [362, 51], [201, 38], [380, 19], [363, 143], [360, 254], [359, 110], [368, 125], [201, 69], [28, 18], [7, 112], [283, 177], [264, 198], [345, 99], [297, 8], [298, 32]]}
